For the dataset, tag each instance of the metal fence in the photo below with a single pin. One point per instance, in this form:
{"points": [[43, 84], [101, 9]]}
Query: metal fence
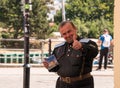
{"points": [[19, 57], [14, 55]]}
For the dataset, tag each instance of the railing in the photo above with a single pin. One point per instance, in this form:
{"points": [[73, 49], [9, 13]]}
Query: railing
{"points": [[16, 55], [19, 57]]}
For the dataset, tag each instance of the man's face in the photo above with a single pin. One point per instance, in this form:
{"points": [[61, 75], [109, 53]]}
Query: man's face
{"points": [[68, 32]]}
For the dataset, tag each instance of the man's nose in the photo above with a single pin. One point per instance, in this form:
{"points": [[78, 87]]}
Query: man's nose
{"points": [[67, 34]]}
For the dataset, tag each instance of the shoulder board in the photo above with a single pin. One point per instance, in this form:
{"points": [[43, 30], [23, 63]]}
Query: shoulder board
{"points": [[58, 45], [84, 40]]}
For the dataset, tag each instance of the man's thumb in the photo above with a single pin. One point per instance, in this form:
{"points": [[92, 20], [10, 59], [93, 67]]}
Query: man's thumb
{"points": [[74, 37]]}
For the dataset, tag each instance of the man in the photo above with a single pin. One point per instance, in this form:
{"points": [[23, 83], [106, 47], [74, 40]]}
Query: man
{"points": [[105, 41], [75, 57]]}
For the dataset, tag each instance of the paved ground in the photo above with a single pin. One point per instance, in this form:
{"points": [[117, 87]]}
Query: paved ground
{"points": [[41, 78]]}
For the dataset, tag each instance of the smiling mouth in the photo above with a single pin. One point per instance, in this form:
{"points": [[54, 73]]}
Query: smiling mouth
{"points": [[69, 40]]}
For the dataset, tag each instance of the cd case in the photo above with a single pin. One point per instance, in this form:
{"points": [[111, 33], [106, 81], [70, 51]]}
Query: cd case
{"points": [[52, 62]]}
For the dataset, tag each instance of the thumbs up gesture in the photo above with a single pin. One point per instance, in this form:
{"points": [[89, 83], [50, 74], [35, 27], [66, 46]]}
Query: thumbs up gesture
{"points": [[76, 44]]}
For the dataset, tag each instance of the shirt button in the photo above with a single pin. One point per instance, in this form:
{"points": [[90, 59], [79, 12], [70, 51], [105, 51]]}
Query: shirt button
{"points": [[68, 50], [77, 56]]}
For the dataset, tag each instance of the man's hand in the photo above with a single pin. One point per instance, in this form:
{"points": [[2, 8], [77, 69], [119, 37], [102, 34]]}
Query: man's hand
{"points": [[76, 44], [46, 65]]}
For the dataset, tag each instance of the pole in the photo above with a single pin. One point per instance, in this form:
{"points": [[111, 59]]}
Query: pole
{"points": [[26, 75], [42, 52], [49, 47], [63, 11]]}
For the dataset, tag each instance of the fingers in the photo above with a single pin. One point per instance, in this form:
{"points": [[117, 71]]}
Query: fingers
{"points": [[45, 64], [76, 45]]}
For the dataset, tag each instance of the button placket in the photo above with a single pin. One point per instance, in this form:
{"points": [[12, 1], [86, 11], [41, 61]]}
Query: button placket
{"points": [[68, 51]]}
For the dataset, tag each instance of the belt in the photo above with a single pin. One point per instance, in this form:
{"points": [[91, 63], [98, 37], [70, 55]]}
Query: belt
{"points": [[73, 79]]}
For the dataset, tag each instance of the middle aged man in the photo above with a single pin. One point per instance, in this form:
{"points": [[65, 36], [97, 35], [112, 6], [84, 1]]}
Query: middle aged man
{"points": [[75, 58]]}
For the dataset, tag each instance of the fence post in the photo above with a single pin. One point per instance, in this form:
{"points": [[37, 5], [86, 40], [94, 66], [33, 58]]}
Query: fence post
{"points": [[49, 45]]}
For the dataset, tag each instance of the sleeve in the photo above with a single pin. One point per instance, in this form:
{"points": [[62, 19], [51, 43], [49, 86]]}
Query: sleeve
{"points": [[110, 38], [90, 49], [101, 38]]}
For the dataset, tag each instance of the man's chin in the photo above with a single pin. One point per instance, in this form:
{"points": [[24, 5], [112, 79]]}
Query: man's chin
{"points": [[69, 41]]}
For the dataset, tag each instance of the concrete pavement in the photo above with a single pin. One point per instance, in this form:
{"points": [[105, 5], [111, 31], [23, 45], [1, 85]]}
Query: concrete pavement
{"points": [[41, 78]]}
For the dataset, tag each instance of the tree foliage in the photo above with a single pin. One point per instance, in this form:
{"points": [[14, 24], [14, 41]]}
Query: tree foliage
{"points": [[38, 21], [91, 16], [11, 18]]}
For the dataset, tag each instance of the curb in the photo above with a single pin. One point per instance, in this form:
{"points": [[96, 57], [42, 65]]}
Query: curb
{"points": [[39, 65], [18, 65]]}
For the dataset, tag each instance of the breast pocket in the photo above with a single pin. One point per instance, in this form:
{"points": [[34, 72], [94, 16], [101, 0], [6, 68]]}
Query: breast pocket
{"points": [[59, 53], [75, 57]]}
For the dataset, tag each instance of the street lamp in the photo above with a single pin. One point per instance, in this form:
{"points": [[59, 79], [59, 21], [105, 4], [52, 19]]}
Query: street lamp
{"points": [[26, 7]]}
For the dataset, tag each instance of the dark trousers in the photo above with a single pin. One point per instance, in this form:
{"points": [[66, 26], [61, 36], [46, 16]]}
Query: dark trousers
{"points": [[103, 53], [86, 83]]}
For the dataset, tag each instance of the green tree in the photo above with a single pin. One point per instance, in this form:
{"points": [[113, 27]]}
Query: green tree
{"points": [[38, 21], [91, 16], [89, 9], [12, 18]]}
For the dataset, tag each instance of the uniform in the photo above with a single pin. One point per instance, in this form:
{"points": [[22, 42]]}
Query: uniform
{"points": [[75, 65]]}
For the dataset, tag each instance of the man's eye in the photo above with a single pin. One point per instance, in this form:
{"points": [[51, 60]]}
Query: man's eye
{"points": [[64, 34], [69, 31]]}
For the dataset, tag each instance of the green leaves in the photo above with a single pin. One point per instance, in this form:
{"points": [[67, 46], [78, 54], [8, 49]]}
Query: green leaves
{"points": [[91, 16], [12, 16]]}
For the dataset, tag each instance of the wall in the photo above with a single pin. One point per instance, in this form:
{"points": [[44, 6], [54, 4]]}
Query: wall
{"points": [[117, 44]]}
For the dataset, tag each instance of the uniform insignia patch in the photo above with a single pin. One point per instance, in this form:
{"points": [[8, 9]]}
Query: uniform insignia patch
{"points": [[58, 45], [84, 40]]}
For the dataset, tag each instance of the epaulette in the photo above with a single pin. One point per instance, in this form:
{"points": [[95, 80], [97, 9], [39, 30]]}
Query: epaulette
{"points": [[84, 40], [58, 45]]}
